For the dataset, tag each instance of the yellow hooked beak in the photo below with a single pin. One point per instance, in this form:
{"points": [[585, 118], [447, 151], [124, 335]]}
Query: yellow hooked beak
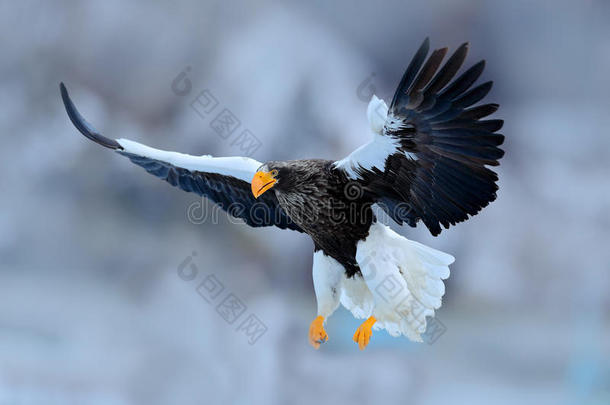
{"points": [[262, 182]]}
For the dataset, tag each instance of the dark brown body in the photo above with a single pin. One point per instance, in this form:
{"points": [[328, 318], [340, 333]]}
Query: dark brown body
{"points": [[323, 202]]}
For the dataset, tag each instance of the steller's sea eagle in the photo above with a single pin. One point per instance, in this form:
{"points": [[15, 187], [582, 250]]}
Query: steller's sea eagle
{"points": [[426, 162]]}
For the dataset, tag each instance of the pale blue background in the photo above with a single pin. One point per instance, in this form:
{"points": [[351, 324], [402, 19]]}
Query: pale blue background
{"points": [[92, 310]]}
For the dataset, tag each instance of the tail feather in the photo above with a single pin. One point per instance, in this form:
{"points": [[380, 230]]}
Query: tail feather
{"points": [[405, 279], [431, 256]]}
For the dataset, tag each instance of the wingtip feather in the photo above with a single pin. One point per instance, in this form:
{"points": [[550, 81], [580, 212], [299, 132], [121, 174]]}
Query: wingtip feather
{"points": [[82, 125]]}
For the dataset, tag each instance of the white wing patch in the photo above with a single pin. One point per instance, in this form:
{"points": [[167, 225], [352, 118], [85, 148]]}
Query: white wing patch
{"points": [[377, 113], [375, 152], [242, 168], [369, 155]]}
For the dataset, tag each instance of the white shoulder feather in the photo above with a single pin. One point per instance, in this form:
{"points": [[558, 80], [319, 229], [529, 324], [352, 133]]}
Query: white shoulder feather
{"points": [[375, 152], [377, 112], [240, 167]]}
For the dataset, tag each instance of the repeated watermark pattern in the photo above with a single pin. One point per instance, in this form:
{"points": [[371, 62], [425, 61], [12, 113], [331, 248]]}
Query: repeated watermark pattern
{"points": [[227, 304], [435, 329], [221, 119], [366, 90], [203, 211], [350, 209], [390, 289]]}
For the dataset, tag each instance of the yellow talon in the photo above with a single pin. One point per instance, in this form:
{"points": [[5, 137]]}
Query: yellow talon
{"points": [[364, 332], [317, 334]]}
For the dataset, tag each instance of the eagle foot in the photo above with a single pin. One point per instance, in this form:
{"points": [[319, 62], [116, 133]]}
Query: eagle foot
{"points": [[364, 332], [317, 334]]}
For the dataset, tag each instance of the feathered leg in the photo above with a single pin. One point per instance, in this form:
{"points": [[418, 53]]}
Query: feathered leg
{"points": [[327, 277]]}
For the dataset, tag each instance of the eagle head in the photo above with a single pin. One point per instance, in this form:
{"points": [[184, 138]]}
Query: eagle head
{"points": [[284, 176]]}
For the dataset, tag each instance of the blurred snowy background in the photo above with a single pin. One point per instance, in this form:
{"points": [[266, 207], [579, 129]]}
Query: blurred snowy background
{"points": [[93, 310]]}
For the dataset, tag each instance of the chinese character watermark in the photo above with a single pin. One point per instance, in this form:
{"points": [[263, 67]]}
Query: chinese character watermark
{"points": [[405, 304], [222, 120], [227, 304]]}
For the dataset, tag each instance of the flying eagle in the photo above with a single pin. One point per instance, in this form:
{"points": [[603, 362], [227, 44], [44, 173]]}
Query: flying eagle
{"points": [[427, 161]]}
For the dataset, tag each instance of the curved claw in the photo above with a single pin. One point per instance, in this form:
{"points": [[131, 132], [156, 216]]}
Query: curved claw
{"points": [[82, 125]]}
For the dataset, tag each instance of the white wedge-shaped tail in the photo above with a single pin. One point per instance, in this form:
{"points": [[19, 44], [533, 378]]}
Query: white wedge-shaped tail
{"points": [[401, 282]]}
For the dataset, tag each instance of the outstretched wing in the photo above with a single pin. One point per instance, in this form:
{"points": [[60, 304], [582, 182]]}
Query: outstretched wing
{"points": [[224, 180], [430, 149]]}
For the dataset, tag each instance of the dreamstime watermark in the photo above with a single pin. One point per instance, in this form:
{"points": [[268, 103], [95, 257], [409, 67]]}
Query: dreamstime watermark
{"points": [[254, 214], [353, 208], [353, 191], [228, 305], [224, 123]]}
